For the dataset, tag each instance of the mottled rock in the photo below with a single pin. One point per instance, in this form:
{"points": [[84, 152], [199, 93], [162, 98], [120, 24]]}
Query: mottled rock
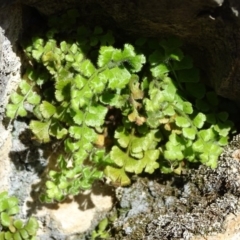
{"points": [[5, 163], [199, 204]]}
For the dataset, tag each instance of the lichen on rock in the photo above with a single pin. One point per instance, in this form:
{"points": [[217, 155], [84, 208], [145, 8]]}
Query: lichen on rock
{"points": [[183, 207]]}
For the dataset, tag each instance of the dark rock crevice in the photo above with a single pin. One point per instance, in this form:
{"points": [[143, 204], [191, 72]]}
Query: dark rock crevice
{"points": [[209, 29]]}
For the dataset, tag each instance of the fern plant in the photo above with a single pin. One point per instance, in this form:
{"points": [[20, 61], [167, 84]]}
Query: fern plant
{"points": [[12, 228], [167, 116], [101, 230]]}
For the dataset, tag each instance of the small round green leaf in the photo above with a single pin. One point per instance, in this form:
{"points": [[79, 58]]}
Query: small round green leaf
{"points": [[198, 146], [187, 107], [75, 132], [17, 236], [12, 201], [5, 219], [223, 141], [223, 116], [63, 184], [105, 55], [13, 210], [24, 233], [33, 98], [175, 54], [18, 224], [120, 78], [202, 105], [182, 122], [212, 161], [37, 54], [199, 120], [169, 92], [85, 185], [2, 236], [69, 58], [160, 70], [25, 87], [189, 133], [156, 57], [50, 185], [103, 224], [212, 98], [3, 204], [8, 236], [74, 48], [223, 128], [16, 98], [215, 149], [122, 137], [41, 130], [211, 118], [71, 146], [64, 47], [207, 134], [173, 155], [87, 68], [3, 195], [78, 117], [169, 111], [32, 226]]}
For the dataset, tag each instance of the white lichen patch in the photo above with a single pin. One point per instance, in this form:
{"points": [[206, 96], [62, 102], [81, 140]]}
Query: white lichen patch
{"points": [[5, 163]]}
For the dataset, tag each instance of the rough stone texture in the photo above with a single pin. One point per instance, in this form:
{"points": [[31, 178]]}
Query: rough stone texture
{"points": [[209, 29], [9, 61], [73, 217], [232, 230], [203, 204], [5, 164], [22, 172]]}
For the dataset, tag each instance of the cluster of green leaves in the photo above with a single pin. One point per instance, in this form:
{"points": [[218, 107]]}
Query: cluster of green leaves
{"points": [[186, 112], [173, 119], [168, 117], [102, 231], [12, 228]]}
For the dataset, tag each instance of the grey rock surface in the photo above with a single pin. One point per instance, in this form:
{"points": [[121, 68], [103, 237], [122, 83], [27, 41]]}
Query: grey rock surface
{"points": [[181, 207], [23, 165]]}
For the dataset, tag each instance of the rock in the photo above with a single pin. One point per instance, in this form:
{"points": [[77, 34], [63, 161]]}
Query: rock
{"points": [[232, 230], [209, 30], [22, 174], [5, 163], [76, 214], [203, 204]]}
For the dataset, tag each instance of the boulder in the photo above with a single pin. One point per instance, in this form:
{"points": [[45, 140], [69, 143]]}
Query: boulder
{"points": [[209, 30]]}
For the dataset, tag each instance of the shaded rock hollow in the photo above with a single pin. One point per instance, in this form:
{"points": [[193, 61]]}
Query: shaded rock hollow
{"points": [[209, 30]]}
